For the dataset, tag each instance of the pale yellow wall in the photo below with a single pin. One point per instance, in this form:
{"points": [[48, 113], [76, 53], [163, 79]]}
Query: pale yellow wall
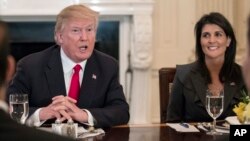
{"points": [[173, 35]]}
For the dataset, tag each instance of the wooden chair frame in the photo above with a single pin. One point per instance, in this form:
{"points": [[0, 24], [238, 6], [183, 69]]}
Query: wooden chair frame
{"points": [[166, 78]]}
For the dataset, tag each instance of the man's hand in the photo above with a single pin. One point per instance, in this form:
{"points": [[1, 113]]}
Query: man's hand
{"points": [[56, 109], [77, 113], [62, 108], [61, 105], [67, 105], [48, 113]]}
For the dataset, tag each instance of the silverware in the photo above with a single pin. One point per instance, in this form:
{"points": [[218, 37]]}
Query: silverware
{"points": [[204, 126], [201, 127]]}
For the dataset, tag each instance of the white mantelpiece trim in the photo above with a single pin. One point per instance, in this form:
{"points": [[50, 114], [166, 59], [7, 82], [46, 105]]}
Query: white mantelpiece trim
{"points": [[29, 8], [135, 17]]}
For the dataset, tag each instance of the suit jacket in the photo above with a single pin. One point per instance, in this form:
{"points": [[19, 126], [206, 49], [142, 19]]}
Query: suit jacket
{"points": [[12, 131], [40, 75], [188, 96]]}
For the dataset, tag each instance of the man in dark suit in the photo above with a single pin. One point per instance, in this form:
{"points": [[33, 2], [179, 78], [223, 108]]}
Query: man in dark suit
{"points": [[47, 76], [9, 129]]}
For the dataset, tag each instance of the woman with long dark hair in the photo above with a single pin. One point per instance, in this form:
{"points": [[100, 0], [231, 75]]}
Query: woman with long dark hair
{"points": [[214, 69]]}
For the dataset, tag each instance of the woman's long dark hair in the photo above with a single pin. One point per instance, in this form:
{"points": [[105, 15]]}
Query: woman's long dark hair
{"points": [[226, 72]]}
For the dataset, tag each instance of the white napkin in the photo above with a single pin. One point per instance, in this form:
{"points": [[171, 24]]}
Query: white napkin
{"points": [[179, 128], [233, 120], [83, 133], [222, 130]]}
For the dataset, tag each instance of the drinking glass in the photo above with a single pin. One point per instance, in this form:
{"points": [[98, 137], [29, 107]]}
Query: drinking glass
{"points": [[214, 106], [19, 107]]}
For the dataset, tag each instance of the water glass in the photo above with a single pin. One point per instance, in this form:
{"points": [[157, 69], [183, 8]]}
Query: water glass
{"points": [[214, 106], [19, 107]]}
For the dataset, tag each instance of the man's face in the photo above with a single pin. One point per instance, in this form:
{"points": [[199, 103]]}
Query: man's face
{"points": [[77, 38]]}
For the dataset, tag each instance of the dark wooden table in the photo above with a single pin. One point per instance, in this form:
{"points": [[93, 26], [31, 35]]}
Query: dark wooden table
{"points": [[159, 132]]}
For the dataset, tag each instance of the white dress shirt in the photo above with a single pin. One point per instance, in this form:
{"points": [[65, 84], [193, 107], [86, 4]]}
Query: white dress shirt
{"points": [[68, 71]]}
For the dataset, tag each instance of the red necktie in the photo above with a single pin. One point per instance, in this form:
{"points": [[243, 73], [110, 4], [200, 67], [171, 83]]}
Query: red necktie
{"points": [[75, 84]]}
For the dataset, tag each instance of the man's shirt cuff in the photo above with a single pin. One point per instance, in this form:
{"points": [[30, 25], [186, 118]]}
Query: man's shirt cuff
{"points": [[90, 118], [34, 119]]}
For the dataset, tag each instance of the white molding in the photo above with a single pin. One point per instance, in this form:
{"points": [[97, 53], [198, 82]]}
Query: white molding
{"points": [[29, 10]]}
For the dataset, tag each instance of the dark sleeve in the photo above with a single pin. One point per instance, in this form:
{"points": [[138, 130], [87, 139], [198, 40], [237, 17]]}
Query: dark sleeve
{"points": [[19, 83], [116, 109], [176, 101]]}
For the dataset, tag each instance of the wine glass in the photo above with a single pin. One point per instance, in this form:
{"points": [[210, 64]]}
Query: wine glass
{"points": [[19, 107], [214, 106]]}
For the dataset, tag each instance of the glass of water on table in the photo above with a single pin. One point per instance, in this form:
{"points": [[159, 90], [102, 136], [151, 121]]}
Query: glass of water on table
{"points": [[214, 106], [19, 107]]}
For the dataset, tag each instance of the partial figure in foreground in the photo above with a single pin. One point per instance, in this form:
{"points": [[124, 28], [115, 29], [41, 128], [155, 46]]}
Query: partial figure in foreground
{"points": [[246, 64], [9, 129]]}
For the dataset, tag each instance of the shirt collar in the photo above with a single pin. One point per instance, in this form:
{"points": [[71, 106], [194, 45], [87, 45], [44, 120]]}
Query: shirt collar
{"points": [[68, 64]]}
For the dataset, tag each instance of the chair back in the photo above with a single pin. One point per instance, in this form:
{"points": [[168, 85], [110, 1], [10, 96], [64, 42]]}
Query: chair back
{"points": [[166, 78]]}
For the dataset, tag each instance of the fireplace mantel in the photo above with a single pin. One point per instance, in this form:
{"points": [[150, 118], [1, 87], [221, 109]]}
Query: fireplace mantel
{"points": [[135, 18], [47, 9]]}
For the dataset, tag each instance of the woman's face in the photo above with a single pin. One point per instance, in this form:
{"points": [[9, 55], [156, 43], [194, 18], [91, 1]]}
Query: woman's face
{"points": [[214, 41]]}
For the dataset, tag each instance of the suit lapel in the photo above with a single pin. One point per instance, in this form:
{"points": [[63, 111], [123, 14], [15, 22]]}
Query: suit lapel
{"points": [[200, 87], [230, 89], [54, 74], [89, 82], [230, 92]]}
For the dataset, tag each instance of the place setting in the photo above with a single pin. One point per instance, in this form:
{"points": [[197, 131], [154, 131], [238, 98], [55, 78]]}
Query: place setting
{"points": [[19, 111], [214, 107], [73, 130]]}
